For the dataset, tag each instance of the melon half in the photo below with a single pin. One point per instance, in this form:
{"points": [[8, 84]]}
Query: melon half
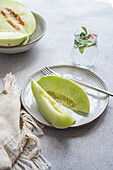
{"points": [[15, 17]]}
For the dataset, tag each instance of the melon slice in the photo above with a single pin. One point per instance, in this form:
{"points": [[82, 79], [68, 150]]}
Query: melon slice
{"points": [[50, 109], [66, 92], [13, 38], [16, 17]]}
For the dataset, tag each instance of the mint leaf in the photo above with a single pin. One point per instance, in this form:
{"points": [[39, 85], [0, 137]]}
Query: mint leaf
{"points": [[83, 40], [81, 49], [92, 44], [84, 29], [76, 43], [82, 35]]}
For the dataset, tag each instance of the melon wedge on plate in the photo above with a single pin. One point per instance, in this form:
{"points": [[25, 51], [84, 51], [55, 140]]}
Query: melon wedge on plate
{"points": [[66, 92], [50, 89], [50, 109]]}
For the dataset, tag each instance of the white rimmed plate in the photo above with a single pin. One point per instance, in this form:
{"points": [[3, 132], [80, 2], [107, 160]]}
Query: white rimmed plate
{"points": [[35, 37], [98, 101]]}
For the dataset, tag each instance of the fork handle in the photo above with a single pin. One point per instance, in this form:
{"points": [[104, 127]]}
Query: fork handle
{"points": [[93, 87]]}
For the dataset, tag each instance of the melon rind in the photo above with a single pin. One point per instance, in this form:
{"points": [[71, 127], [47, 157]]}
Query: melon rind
{"points": [[13, 39]]}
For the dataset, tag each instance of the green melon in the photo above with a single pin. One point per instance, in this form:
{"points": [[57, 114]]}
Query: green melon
{"points": [[14, 16], [67, 92], [50, 109], [19, 14], [13, 38]]}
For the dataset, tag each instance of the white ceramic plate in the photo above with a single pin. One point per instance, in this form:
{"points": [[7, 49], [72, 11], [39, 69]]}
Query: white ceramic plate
{"points": [[36, 36], [98, 101]]}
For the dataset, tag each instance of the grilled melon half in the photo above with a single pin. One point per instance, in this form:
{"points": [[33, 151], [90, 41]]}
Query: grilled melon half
{"points": [[16, 17]]}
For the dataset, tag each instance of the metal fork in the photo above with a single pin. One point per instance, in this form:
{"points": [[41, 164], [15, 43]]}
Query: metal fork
{"points": [[48, 71]]}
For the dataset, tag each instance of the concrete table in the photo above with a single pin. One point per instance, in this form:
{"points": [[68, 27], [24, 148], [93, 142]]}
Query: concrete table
{"points": [[91, 146]]}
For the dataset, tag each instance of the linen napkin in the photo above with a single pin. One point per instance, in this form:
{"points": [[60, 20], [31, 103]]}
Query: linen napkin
{"points": [[19, 147]]}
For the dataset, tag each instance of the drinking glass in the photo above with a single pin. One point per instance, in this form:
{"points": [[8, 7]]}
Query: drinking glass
{"points": [[85, 51]]}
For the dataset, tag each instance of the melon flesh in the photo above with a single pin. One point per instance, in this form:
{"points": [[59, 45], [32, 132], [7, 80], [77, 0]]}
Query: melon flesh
{"points": [[66, 92], [15, 17], [12, 11], [50, 109]]}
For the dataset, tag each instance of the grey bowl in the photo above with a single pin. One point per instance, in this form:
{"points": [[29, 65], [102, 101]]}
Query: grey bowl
{"points": [[36, 36]]}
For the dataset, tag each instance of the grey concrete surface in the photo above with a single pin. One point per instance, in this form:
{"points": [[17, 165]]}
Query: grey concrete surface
{"points": [[89, 147]]}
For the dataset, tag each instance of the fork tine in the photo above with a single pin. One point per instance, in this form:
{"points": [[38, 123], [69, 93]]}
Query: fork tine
{"points": [[50, 71], [46, 71]]}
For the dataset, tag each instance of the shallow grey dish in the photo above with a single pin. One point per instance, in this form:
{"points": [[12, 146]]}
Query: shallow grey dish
{"points": [[36, 36], [98, 101]]}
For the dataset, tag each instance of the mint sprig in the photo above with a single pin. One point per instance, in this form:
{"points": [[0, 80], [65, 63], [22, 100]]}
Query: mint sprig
{"points": [[83, 41]]}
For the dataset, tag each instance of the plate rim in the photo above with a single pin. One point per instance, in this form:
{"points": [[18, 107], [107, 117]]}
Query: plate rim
{"points": [[66, 66]]}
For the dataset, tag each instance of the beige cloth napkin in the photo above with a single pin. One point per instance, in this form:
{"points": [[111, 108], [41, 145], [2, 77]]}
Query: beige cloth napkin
{"points": [[19, 147]]}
